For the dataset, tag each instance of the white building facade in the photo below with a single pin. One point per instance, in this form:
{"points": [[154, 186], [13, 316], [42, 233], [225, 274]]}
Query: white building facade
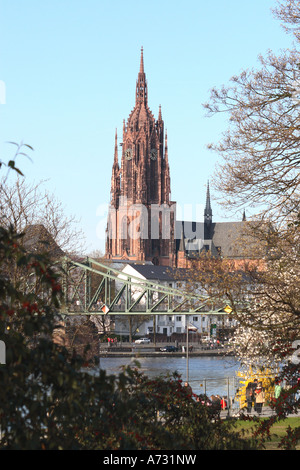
{"points": [[204, 324]]}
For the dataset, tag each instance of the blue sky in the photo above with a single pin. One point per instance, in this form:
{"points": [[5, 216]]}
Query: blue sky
{"points": [[70, 69]]}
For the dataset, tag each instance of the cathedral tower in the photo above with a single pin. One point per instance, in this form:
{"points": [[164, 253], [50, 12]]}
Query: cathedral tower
{"points": [[141, 216]]}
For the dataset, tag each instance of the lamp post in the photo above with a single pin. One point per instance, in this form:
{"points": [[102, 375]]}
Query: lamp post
{"points": [[188, 328], [187, 349]]}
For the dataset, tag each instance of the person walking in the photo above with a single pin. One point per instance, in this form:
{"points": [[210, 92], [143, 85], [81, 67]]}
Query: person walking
{"points": [[259, 397], [216, 405], [254, 386], [249, 396], [223, 403], [277, 388]]}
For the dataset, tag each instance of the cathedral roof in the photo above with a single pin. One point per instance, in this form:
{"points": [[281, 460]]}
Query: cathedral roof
{"points": [[230, 239]]}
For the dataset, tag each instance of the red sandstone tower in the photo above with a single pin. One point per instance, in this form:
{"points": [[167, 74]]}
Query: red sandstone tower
{"points": [[141, 215]]}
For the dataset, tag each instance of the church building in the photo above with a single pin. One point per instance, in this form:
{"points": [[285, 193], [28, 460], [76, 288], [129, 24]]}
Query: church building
{"points": [[142, 225]]}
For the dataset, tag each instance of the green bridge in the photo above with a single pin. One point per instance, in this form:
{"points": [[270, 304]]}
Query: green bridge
{"points": [[94, 288]]}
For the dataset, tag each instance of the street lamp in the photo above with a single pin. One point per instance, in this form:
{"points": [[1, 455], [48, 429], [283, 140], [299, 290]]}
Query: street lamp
{"points": [[189, 327]]}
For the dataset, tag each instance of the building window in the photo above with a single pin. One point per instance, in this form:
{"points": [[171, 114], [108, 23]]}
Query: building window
{"points": [[178, 318]]}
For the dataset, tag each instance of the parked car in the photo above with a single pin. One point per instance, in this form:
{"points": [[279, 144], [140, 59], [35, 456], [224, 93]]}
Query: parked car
{"points": [[168, 349], [142, 341], [205, 339]]}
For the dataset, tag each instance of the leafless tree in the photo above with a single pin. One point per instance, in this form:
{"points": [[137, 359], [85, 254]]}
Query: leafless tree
{"points": [[288, 11], [260, 150], [27, 205]]}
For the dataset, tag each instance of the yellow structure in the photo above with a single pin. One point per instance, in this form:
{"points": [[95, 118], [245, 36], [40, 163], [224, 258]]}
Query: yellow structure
{"points": [[265, 376]]}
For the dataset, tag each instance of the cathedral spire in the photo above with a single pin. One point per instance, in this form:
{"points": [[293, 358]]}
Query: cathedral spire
{"points": [[141, 84], [143, 178]]}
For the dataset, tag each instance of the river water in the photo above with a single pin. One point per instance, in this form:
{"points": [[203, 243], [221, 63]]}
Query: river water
{"points": [[210, 375]]}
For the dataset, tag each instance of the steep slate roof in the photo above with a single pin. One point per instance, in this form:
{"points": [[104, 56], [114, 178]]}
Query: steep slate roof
{"points": [[37, 239], [228, 239]]}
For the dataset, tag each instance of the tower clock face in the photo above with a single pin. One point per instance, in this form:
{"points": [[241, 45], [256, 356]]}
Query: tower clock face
{"points": [[153, 154], [128, 154]]}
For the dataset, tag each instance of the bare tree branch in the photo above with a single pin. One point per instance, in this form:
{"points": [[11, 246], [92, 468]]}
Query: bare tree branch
{"points": [[24, 205]]}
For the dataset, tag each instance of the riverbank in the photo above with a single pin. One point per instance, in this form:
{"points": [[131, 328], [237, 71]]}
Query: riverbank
{"points": [[154, 351]]}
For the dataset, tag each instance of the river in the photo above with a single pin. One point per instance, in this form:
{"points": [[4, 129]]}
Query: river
{"points": [[210, 375]]}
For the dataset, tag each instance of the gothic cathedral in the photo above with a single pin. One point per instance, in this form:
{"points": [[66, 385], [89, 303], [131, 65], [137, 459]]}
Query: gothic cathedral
{"points": [[140, 189]]}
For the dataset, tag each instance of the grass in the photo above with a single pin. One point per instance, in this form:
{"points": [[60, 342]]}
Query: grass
{"points": [[278, 430]]}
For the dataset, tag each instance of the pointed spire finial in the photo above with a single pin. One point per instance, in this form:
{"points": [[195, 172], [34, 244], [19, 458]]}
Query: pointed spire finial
{"points": [[159, 113], [208, 197], [142, 61]]}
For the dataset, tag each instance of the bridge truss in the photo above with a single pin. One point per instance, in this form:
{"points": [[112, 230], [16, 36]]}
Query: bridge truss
{"points": [[94, 288]]}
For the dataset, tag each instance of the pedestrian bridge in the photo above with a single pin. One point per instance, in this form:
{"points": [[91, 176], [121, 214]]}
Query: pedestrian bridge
{"points": [[91, 287]]}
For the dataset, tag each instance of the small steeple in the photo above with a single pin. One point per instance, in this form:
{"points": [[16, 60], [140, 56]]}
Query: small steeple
{"points": [[166, 182], [116, 160], [159, 113], [207, 210], [207, 216], [115, 177], [244, 216], [166, 146]]}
